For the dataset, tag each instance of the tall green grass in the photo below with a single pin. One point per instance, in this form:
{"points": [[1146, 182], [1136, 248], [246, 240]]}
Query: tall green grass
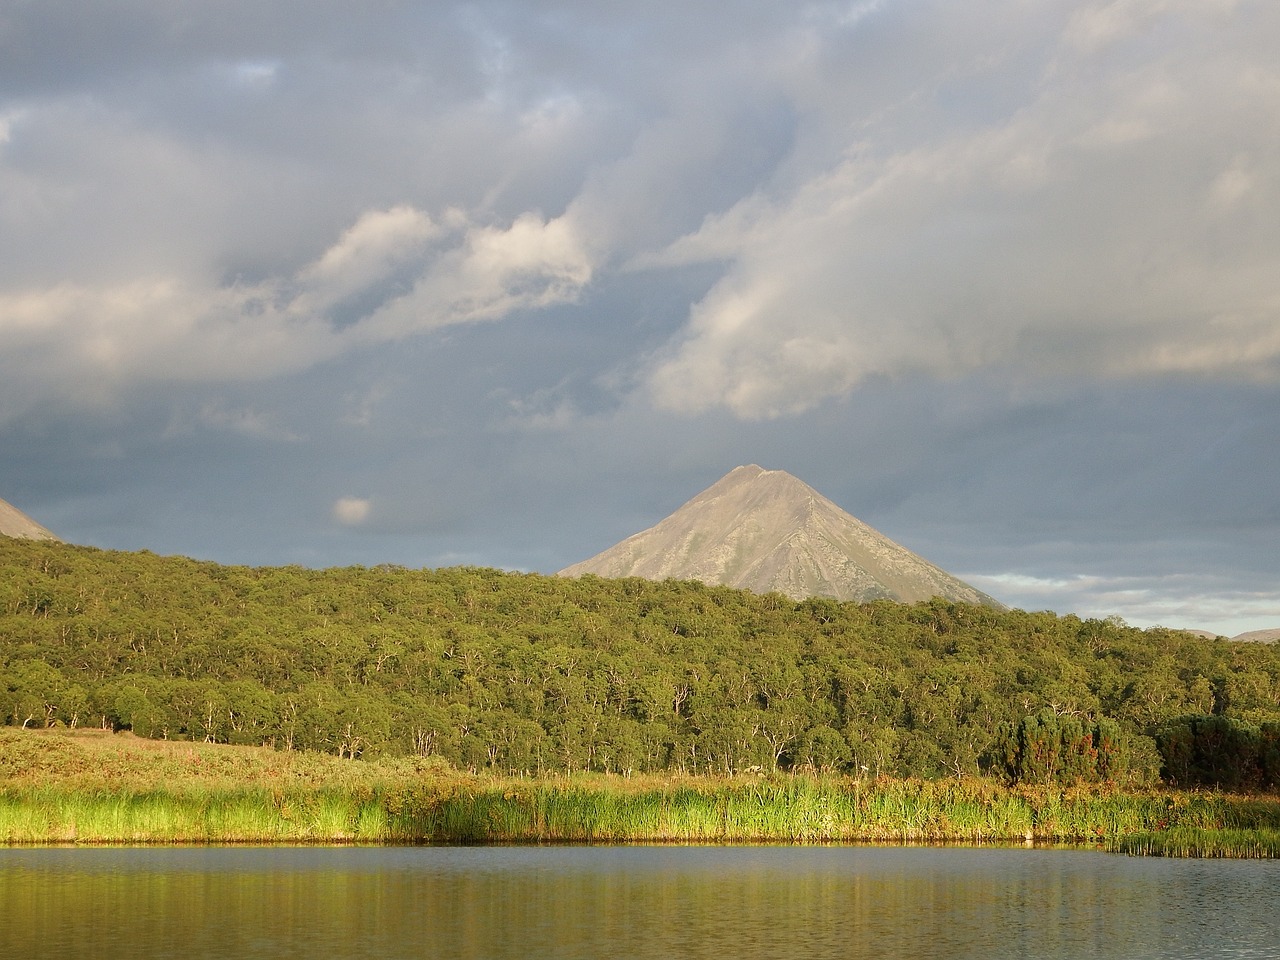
{"points": [[62, 789], [1193, 842], [603, 810], [59, 815]]}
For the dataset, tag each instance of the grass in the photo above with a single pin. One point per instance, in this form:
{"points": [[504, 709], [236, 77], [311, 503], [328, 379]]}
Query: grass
{"points": [[94, 787], [1195, 842]]}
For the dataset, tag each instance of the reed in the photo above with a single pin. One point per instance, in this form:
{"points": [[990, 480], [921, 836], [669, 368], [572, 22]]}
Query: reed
{"points": [[786, 810], [817, 811], [58, 789], [1193, 842]]}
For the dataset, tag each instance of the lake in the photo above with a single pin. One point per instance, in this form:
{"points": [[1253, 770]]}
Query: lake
{"points": [[728, 903]]}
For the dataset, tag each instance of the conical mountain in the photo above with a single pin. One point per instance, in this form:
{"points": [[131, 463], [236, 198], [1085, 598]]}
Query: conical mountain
{"points": [[764, 530], [15, 523]]}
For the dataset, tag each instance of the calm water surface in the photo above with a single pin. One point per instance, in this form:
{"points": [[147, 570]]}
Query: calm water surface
{"points": [[728, 903]]}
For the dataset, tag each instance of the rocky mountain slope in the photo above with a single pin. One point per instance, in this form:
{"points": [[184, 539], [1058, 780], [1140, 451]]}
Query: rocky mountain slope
{"points": [[764, 530], [15, 523]]}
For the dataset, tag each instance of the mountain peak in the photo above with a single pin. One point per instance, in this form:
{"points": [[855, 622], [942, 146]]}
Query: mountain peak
{"points": [[15, 523], [765, 530]]}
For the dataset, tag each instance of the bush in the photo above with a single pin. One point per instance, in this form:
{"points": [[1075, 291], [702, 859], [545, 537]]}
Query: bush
{"points": [[1050, 748], [1216, 751]]}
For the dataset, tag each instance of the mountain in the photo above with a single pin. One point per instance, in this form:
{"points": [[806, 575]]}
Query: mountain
{"points": [[1259, 636], [1271, 635], [764, 530], [15, 523]]}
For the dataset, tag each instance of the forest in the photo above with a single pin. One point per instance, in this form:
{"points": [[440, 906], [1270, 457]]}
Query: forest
{"points": [[525, 674]]}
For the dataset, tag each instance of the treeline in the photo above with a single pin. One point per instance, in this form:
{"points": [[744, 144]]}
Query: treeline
{"points": [[526, 673], [1220, 752]]}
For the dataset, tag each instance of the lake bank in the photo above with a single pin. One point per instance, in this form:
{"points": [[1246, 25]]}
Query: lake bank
{"points": [[95, 788]]}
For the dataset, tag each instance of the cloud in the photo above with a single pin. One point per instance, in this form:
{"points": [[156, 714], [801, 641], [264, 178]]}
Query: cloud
{"points": [[88, 343], [351, 511], [366, 254], [245, 421], [1096, 26], [492, 272], [1099, 226], [547, 409], [7, 120], [1002, 275], [1184, 601], [93, 340]]}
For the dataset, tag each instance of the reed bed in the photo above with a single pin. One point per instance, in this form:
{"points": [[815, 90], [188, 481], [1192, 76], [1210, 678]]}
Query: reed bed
{"points": [[60, 789], [57, 815], [792, 810], [1192, 842]]}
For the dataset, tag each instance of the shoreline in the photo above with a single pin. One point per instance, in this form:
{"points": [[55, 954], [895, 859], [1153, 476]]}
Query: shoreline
{"points": [[87, 788]]}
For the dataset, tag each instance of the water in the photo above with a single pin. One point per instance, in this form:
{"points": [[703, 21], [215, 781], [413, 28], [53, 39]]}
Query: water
{"points": [[728, 903]]}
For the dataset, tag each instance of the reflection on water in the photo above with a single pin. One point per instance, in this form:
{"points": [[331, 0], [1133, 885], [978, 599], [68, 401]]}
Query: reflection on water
{"points": [[635, 902]]}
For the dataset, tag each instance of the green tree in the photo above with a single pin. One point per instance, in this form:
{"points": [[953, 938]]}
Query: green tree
{"points": [[1051, 748]]}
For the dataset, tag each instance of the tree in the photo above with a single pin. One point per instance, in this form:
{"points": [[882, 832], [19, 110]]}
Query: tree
{"points": [[1212, 751], [1052, 748], [822, 750]]}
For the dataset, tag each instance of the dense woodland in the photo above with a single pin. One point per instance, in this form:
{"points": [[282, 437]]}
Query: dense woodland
{"points": [[523, 673]]}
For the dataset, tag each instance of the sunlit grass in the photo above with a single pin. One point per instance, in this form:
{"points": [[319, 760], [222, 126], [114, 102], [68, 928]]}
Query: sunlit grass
{"points": [[104, 789], [774, 810], [1194, 842]]}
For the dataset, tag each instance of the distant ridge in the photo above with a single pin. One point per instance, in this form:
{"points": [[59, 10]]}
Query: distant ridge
{"points": [[764, 531], [15, 523], [1259, 636]]}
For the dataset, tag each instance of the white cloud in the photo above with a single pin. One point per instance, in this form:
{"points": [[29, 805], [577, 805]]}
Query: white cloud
{"points": [[351, 511], [492, 272], [158, 329], [1022, 584], [8, 118], [548, 409], [245, 421], [1096, 26], [121, 331], [1182, 601], [91, 340], [366, 254], [256, 74], [1098, 227], [361, 408], [1234, 184]]}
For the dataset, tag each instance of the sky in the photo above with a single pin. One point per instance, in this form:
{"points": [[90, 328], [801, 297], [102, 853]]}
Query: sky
{"points": [[501, 283]]}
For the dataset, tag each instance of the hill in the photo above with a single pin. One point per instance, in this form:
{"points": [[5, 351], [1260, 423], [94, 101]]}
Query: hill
{"points": [[510, 672], [1260, 636], [15, 523], [766, 531]]}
